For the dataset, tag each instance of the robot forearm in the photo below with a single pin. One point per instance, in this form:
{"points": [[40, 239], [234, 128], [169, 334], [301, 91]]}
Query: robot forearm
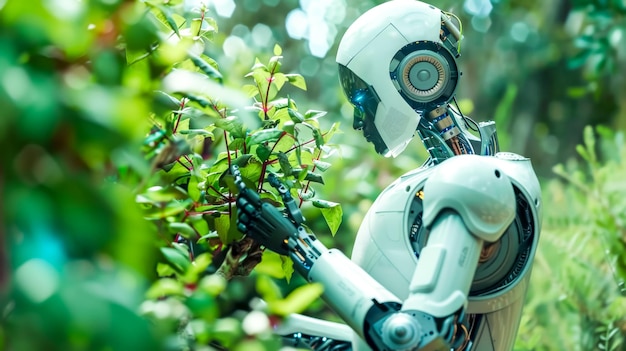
{"points": [[364, 304], [349, 290]]}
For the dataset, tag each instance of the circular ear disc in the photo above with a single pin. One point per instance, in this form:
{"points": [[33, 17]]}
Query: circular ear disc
{"points": [[425, 74]]}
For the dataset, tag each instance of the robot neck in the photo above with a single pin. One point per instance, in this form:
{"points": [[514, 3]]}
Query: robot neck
{"points": [[446, 133]]}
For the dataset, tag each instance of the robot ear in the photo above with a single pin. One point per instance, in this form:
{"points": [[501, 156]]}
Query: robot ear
{"points": [[425, 74], [422, 75]]}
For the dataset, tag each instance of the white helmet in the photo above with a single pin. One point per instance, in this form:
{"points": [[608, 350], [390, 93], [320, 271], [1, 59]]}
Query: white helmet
{"points": [[396, 62]]}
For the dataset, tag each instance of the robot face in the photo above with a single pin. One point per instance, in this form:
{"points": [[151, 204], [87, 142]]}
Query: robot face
{"points": [[365, 101], [396, 62]]}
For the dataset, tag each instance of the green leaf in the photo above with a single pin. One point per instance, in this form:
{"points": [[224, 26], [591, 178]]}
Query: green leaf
{"points": [[296, 80], [334, 129], [171, 209], [314, 114], [332, 212], [134, 56], [303, 174], [278, 50], [279, 80], [166, 100], [193, 188], [321, 165], [285, 165], [206, 237], [233, 125], [222, 226], [289, 127], [267, 288], [319, 138], [271, 265], [263, 153], [208, 69], [281, 103], [165, 287], [183, 229], [265, 135], [297, 301], [296, 116], [275, 64], [582, 151], [227, 331], [250, 90], [258, 65], [198, 267], [196, 132], [212, 284], [300, 174], [210, 25], [162, 194], [590, 143], [196, 25], [164, 270], [169, 18], [176, 258], [203, 305], [287, 267]]}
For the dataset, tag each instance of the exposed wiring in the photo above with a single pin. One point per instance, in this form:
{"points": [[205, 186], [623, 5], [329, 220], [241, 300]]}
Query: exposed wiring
{"points": [[474, 125], [458, 44]]}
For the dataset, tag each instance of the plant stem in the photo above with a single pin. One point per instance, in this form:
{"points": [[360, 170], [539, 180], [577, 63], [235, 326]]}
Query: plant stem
{"points": [[183, 101], [228, 199], [267, 162], [267, 92], [210, 212], [189, 160], [184, 165]]}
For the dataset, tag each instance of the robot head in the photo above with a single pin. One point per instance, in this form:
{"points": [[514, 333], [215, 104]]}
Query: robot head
{"points": [[397, 62]]}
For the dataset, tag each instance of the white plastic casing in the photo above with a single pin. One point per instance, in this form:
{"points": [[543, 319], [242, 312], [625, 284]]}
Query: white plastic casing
{"points": [[384, 250]]}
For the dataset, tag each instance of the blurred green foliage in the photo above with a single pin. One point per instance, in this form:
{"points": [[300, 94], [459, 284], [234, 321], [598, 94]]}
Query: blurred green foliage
{"points": [[106, 103], [118, 136], [577, 298]]}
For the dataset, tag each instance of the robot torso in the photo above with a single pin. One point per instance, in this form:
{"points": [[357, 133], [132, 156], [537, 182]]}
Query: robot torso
{"points": [[391, 237]]}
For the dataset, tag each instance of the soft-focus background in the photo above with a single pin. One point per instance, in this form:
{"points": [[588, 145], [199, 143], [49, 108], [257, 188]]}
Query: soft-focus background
{"points": [[78, 257]]}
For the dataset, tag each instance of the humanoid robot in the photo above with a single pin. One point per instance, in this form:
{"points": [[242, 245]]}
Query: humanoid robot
{"points": [[443, 257]]}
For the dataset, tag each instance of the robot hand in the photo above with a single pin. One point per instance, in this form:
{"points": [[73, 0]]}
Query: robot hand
{"points": [[262, 221], [281, 232]]}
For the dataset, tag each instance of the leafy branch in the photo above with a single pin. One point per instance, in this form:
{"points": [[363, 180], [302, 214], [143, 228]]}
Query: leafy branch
{"points": [[199, 129]]}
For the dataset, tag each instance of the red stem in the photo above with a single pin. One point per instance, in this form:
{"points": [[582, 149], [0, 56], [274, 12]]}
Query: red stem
{"points": [[189, 160], [220, 194], [182, 164], [180, 114], [267, 92]]}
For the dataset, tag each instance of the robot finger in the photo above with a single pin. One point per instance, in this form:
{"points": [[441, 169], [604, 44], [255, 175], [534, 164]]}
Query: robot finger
{"points": [[242, 227], [243, 218], [248, 208], [250, 195]]}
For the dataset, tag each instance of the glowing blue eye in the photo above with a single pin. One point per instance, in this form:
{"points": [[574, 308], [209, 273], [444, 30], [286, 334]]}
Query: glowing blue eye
{"points": [[359, 97]]}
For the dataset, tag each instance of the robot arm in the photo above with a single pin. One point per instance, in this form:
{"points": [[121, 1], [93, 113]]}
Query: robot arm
{"points": [[351, 292], [461, 215]]}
